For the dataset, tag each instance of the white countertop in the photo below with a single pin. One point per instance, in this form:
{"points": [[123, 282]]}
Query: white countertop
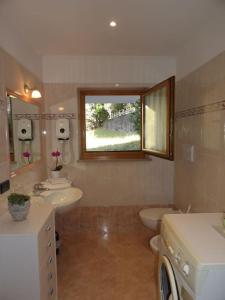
{"points": [[37, 216], [197, 233]]}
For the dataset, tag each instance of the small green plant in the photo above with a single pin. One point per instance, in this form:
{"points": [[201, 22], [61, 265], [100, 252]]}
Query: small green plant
{"points": [[18, 199]]}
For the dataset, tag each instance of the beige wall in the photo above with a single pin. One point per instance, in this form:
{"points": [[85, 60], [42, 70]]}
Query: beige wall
{"points": [[200, 127], [117, 182], [13, 76], [107, 183], [19, 48], [109, 69]]}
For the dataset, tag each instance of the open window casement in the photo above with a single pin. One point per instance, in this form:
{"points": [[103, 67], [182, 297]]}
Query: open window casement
{"points": [[157, 119], [150, 112]]}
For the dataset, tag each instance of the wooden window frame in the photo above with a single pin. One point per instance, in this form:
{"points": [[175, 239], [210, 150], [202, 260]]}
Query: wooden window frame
{"points": [[106, 155], [135, 154], [170, 85]]}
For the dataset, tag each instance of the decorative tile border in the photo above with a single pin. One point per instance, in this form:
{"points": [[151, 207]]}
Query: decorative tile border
{"points": [[201, 110], [44, 116], [59, 116]]}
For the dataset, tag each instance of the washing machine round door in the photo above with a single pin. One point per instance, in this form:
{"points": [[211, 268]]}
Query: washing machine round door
{"points": [[167, 281]]}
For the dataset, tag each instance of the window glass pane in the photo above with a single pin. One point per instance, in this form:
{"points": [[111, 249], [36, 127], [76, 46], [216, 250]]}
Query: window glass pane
{"points": [[156, 120], [113, 123]]}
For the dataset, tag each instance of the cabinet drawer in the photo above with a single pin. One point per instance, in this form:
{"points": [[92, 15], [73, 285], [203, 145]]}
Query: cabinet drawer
{"points": [[48, 228], [48, 282], [49, 291], [46, 238], [47, 260], [47, 247]]}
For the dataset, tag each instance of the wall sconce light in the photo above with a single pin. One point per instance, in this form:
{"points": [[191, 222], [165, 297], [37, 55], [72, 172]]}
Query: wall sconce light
{"points": [[35, 94]]}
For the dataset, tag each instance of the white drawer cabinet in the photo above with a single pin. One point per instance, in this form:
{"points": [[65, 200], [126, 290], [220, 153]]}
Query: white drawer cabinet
{"points": [[28, 256]]}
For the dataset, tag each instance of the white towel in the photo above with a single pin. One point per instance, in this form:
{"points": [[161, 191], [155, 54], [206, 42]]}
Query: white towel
{"points": [[58, 180], [57, 183], [58, 186]]}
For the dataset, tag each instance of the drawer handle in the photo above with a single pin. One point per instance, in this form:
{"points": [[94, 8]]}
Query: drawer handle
{"points": [[50, 276], [49, 244], [48, 228], [50, 260], [50, 292]]}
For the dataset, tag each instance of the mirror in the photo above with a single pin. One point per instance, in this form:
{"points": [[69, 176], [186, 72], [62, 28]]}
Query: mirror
{"points": [[24, 131]]}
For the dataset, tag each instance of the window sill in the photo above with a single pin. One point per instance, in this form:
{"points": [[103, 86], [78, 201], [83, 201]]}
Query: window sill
{"points": [[146, 157]]}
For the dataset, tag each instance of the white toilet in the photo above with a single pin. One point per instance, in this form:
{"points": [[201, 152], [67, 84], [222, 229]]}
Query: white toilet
{"points": [[151, 218]]}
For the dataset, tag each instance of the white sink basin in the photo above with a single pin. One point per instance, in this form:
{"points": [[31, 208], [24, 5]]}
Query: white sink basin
{"points": [[63, 200]]}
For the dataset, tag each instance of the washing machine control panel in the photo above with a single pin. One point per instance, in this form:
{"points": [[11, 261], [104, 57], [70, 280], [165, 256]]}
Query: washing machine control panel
{"points": [[178, 254], [179, 259], [186, 269]]}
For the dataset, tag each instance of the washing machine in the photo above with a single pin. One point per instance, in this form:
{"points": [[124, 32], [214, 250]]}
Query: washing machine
{"points": [[192, 257]]}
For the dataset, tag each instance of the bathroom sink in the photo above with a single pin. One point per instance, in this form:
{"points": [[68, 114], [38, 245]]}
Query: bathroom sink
{"points": [[63, 200]]}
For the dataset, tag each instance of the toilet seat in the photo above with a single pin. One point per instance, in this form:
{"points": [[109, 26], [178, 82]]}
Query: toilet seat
{"points": [[154, 243], [155, 214], [151, 217]]}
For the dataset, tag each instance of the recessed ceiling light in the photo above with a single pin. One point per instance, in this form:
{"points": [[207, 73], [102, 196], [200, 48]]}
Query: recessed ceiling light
{"points": [[61, 108], [112, 24]]}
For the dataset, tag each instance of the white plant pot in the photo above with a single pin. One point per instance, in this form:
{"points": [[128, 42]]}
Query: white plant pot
{"points": [[55, 174], [19, 212]]}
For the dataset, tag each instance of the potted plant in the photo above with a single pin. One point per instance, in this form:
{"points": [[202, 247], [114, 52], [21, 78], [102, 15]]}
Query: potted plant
{"points": [[58, 167], [18, 205]]}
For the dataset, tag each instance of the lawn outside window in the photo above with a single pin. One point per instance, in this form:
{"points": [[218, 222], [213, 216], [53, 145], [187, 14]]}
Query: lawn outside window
{"points": [[126, 123]]}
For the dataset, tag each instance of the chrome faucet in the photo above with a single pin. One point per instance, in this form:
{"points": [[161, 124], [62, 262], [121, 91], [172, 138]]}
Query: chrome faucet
{"points": [[39, 188]]}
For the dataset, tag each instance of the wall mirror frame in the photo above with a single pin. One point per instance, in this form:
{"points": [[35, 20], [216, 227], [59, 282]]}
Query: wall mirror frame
{"points": [[27, 151]]}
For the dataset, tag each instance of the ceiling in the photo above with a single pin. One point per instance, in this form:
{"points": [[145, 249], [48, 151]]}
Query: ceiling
{"points": [[74, 27]]}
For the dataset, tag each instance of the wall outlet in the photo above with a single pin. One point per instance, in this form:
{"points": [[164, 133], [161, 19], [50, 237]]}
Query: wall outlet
{"points": [[189, 152], [4, 186]]}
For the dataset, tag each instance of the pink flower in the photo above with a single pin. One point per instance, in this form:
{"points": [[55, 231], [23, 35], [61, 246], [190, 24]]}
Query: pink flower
{"points": [[26, 154], [56, 153], [53, 154]]}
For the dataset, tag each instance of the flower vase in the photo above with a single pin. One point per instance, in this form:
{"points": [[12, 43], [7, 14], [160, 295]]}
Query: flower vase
{"points": [[19, 212]]}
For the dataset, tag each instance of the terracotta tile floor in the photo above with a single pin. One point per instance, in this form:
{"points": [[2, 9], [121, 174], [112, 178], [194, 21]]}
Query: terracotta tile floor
{"points": [[97, 266]]}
